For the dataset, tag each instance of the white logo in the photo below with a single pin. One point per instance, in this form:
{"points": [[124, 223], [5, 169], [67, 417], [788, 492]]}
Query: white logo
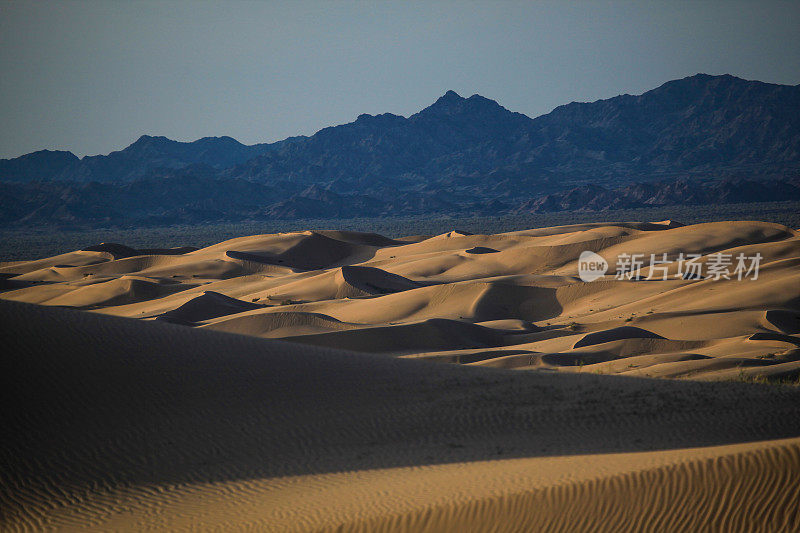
{"points": [[591, 266]]}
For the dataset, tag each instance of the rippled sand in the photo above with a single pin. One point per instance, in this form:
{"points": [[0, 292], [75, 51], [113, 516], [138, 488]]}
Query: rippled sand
{"points": [[196, 417]]}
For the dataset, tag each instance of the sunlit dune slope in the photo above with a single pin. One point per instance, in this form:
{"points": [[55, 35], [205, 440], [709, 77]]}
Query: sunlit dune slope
{"points": [[447, 297]]}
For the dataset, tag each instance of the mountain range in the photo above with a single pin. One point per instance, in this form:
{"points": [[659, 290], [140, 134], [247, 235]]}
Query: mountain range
{"points": [[696, 139]]}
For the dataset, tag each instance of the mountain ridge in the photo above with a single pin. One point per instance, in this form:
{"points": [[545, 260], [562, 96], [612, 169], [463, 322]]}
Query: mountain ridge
{"points": [[449, 136], [446, 94], [456, 154]]}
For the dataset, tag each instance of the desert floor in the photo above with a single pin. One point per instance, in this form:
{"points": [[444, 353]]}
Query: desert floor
{"points": [[287, 382]]}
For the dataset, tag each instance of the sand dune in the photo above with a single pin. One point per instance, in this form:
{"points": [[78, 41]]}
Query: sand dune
{"points": [[366, 292], [287, 383], [118, 424]]}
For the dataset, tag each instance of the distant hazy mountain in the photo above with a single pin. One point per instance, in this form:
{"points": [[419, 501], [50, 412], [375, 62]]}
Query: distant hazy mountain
{"points": [[136, 161], [680, 191], [41, 165], [457, 155], [150, 202]]}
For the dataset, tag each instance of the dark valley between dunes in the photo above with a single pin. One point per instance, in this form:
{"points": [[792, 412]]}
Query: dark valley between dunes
{"points": [[700, 140]]}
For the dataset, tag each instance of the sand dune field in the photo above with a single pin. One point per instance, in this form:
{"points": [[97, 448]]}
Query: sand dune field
{"points": [[512, 300], [340, 381]]}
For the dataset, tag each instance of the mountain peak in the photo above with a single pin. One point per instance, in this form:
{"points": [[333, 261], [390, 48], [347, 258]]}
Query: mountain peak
{"points": [[710, 80], [449, 98], [225, 140], [451, 105], [149, 140], [447, 104]]}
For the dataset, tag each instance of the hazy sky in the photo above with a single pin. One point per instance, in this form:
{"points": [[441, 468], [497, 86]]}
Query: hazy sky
{"points": [[91, 77]]}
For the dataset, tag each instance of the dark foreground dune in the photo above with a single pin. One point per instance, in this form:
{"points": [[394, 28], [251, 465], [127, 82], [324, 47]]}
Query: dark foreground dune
{"points": [[118, 424]]}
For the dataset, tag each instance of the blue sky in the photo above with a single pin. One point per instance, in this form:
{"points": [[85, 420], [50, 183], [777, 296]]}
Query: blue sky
{"points": [[91, 77]]}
